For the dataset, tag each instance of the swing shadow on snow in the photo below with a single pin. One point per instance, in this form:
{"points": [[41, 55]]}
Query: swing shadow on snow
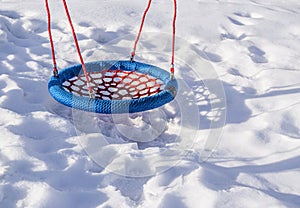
{"points": [[202, 97]]}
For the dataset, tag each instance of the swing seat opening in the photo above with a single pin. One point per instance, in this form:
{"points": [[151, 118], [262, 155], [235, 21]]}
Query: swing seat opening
{"points": [[118, 86]]}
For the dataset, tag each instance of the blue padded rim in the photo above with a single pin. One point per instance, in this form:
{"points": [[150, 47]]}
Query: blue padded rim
{"points": [[61, 95]]}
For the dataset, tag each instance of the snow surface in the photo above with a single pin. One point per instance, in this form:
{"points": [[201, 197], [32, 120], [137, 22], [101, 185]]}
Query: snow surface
{"points": [[253, 46]]}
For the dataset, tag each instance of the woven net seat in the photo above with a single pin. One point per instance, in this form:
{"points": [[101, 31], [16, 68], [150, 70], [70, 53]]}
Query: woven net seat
{"points": [[118, 86]]}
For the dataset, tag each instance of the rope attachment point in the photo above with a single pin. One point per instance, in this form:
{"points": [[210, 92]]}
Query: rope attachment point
{"points": [[172, 70], [132, 56], [55, 71]]}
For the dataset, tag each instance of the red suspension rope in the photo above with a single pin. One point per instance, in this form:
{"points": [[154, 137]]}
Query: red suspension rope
{"points": [[173, 37], [55, 72], [173, 34], [78, 50], [140, 30]]}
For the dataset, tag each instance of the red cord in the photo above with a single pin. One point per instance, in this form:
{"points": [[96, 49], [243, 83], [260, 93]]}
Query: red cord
{"points": [[78, 49], [173, 37], [55, 72], [140, 30], [173, 34]]}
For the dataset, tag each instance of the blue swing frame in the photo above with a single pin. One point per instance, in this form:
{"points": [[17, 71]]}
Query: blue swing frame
{"points": [[60, 94]]}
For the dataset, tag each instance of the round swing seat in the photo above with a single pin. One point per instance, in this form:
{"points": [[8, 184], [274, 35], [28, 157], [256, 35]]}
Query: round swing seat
{"points": [[118, 87]]}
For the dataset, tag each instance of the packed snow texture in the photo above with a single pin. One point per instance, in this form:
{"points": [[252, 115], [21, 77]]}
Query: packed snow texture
{"points": [[254, 47]]}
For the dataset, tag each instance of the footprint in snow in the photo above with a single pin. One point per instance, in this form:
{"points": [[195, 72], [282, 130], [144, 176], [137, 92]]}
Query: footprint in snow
{"points": [[257, 55], [235, 21], [244, 18], [248, 15], [226, 35]]}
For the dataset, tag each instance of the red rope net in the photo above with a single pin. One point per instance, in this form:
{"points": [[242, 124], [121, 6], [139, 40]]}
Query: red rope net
{"points": [[115, 85]]}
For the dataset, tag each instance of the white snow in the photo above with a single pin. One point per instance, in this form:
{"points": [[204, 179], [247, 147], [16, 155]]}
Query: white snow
{"points": [[248, 48]]}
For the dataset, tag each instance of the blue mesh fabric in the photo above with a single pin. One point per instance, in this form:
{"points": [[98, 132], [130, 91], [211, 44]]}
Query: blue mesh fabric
{"points": [[112, 106]]}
